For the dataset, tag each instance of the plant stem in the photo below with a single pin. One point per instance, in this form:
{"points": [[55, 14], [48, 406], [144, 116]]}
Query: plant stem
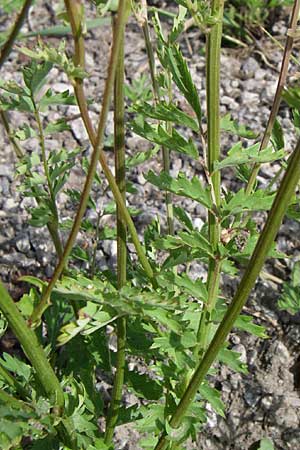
{"points": [[213, 55], [155, 87], [32, 348], [280, 86], [97, 144], [53, 225], [6, 48], [262, 248], [53, 230], [119, 132]]}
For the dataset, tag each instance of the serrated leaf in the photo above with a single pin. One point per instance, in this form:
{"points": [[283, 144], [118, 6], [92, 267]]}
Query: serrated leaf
{"points": [[57, 127], [193, 239], [25, 132], [16, 366], [61, 98], [167, 112], [183, 217], [238, 155], [232, 360], [213, 396], [35, 75], [246, 323], [158, 135], [176, 64], [257, 201], [231, 126], [55, 56], [181, 186], [196, 288]]}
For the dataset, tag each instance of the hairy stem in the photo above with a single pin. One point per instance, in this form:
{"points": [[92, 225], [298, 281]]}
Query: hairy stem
{"points": [[262, 248], [7, 47], [97, 144], [119, 132], [280, 86], [32, 348], [213, 55]]}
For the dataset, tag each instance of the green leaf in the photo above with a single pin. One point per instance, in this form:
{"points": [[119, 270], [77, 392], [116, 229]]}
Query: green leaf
{"points": [[181, 186], [266, 444], [232, 360], [158, 135], [277, 137], [173, 61], [183, 217], [144, 386], [231, 126], [292, 97], [240, 202], [61, 98], [167, 112], [25, 132], [57, 127], [194, 240], [238, 155], [35, 75], [213, 396], [246, 323], [55, 56], [140, 157], [15, 365], [196, 288]]}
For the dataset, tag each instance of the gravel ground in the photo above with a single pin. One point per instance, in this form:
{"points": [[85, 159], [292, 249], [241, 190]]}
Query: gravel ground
{"points": [[266, 401]]}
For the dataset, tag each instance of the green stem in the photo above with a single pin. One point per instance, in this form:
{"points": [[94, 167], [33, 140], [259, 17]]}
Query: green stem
{"points": [[155, 87], [213, 55], [32, 348], [119, 132], [262, 248], [280, 86], [7, 47], [96, 155]]}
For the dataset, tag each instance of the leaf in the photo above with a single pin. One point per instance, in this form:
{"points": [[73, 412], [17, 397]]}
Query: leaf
{"points": [[25, 132], [61, 98], [167, 112], [16, 366], [55, 56], [35, 75], [290, 299], [158, 135], [238, 155], [183, 217], [292, 97], [246, 323], [181, 186], [57, 127], [277, 137], [213, 396], [144, 386], [193, 239], [64, 30], [141, 157], [239, 202], [230, 125], [266, 444], [173, 61], [196, 288], [232, 360]]}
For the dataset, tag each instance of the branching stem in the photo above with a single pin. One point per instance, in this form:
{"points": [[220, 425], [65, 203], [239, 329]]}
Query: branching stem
{"points": [[280, 86], [262, 248]]}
